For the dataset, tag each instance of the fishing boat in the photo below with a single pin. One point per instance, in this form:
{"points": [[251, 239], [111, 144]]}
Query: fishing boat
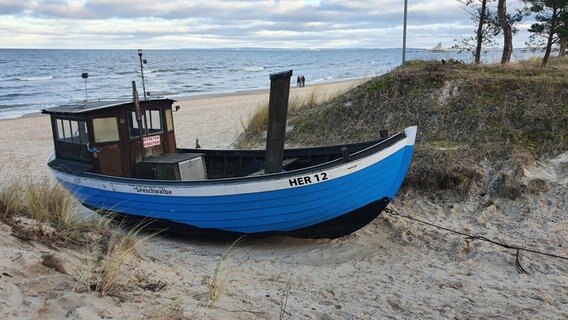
{"points": [[121, 157]]}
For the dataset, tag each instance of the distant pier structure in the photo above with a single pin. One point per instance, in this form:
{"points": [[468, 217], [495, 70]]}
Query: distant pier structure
{"points": [[439, 48]]}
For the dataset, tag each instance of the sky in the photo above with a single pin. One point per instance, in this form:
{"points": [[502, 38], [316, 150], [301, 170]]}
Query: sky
{"points": [[293, 24]]}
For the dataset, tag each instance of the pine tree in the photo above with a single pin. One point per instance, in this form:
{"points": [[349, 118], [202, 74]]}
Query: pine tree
{"points": [[507, 31], [491, 21], [551, 26], [487, 26]]}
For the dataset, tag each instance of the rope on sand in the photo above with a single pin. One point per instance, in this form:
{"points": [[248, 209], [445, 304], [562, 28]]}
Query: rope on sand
{"points": [[472, 237]]}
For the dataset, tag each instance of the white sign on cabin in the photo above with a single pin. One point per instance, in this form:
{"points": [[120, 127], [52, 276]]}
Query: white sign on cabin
{"points": [[151, 141]]}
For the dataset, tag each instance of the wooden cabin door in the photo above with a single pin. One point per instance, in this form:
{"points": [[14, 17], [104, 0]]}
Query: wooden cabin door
{"points": [[110, 160], [107, 140], [124, 147]]}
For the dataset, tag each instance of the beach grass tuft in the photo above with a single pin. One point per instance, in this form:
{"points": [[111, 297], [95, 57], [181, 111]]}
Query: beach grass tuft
{"points": [[11, 202], [106, 257], [218, 282], [55, 214], [284, 303], [121, 246], [50, 205], [172, 310]]}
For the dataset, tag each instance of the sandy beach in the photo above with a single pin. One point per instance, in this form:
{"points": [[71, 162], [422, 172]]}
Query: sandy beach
{"points": [[393, 268]]}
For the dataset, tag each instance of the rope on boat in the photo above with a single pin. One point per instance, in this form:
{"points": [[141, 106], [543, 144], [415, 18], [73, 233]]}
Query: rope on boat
{"points": [[473, 237]]}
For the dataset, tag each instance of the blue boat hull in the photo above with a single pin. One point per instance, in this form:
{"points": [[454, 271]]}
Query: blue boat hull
{"points": [[331, 229], [330, 201]]}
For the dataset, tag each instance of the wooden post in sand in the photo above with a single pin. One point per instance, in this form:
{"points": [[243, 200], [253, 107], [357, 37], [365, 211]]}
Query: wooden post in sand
{"points": [[277, 113]]}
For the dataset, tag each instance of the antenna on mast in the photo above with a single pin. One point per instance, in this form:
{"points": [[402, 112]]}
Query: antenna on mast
{"points": [[85, 76], [142, 62]]}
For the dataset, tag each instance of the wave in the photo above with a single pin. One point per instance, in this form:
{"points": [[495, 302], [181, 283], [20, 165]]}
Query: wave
{"points": [[8, 96], [165, 70], [326, 79], [35, 78], [247, 69], [190, 70], [253, 69]]}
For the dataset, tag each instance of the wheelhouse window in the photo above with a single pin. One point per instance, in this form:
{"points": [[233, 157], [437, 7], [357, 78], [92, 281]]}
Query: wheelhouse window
{"points": [[169, 120], [105, 129], [71, 139], [151, 123], [72, 131], [154, 121]]}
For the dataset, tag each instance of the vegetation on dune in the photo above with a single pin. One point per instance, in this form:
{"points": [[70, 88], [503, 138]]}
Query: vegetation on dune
{"points": [[52, 213], [468, 116], [254, 134], [106, 257], [43, 212]]}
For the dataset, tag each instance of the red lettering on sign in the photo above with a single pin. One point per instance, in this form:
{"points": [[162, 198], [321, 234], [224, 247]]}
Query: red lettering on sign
{"points": [[151, 141]]}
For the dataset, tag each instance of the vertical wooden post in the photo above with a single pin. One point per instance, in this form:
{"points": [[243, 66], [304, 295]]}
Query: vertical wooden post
{"points": [[277, 113], [138, 117]]}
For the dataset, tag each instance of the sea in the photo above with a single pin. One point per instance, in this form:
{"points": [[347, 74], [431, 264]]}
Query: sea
{"points": [[35, 79]]}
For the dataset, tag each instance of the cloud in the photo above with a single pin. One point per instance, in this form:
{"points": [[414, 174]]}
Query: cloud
{"points": [[290, 23]]}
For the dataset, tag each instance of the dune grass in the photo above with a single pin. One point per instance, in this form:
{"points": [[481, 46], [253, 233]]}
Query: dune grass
{"points": [[172, 310], [11, 203], [49, 203], [55, 213], [105, 259], [218, 282], [467, 115], [257, 125], [258, 122], [42, 211]]}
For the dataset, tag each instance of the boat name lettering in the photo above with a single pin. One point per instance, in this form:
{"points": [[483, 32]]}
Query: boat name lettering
{"points": [[300, 181], [152, 190]]}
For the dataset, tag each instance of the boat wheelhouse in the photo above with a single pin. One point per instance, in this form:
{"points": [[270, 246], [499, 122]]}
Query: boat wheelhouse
{"points": [[105, 137]]}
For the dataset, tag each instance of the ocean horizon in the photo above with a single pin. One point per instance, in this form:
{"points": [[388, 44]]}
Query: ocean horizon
{"points": [[35, 79]]}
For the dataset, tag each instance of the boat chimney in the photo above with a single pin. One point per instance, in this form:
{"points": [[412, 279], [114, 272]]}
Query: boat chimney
{"points": [[277, 113]]}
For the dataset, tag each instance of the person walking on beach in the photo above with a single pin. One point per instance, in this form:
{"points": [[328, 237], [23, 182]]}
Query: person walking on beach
{"points": [[298, 82], [303, 81]]}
